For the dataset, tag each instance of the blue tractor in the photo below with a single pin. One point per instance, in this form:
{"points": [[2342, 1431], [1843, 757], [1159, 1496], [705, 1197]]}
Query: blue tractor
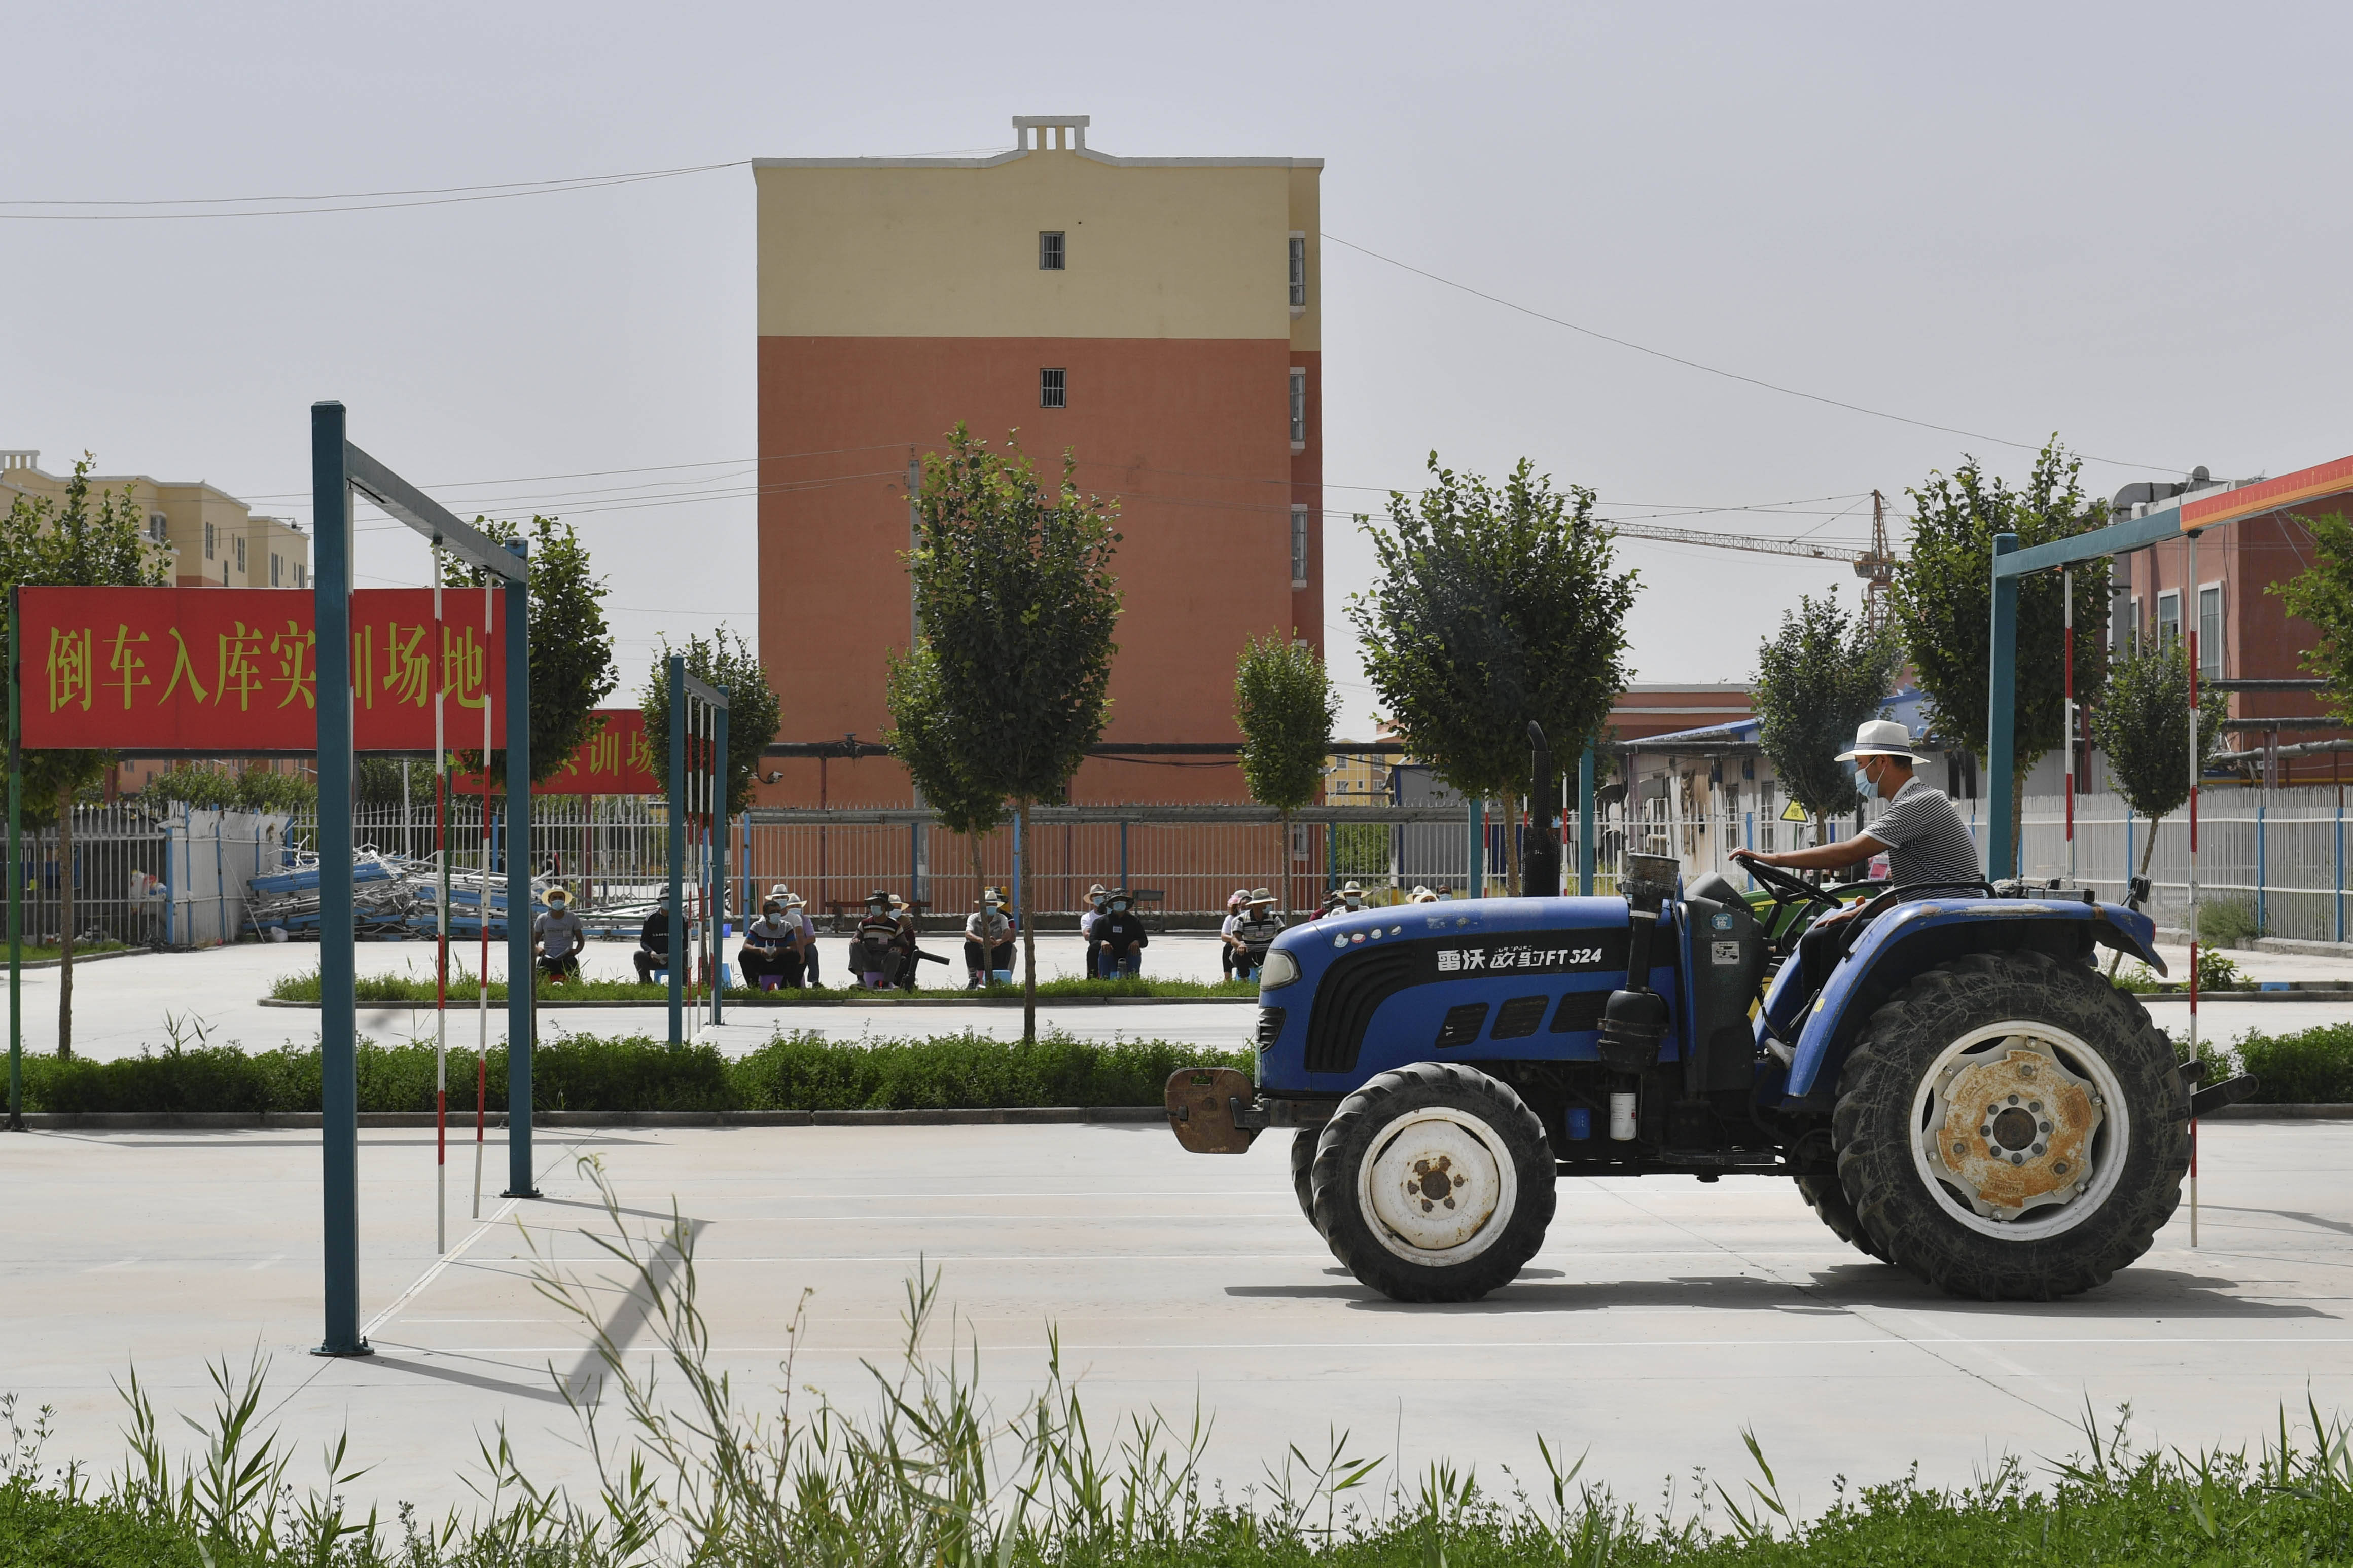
{"points": [[1963, 1095]]}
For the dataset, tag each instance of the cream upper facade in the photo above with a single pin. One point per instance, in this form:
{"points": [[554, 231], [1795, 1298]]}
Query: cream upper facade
{"points": [[1151, 248], [213, 537]]}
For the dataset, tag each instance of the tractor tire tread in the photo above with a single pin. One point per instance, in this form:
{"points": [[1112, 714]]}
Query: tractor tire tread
{"points": [[1875, 1092]]}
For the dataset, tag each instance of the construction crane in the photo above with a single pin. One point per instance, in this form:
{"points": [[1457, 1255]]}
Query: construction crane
{"points": [[1875, 563]]}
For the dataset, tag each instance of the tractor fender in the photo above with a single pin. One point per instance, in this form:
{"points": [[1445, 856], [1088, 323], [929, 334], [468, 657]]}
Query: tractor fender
{"points": [[1911, 938]]}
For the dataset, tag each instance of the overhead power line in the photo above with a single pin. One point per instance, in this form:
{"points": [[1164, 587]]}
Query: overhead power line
{"points": [[355, 201], [1718, 370]]}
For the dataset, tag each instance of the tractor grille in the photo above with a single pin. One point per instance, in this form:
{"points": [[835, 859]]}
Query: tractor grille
{"points": [[1270, 1027], [1352, 989], [1461, 1026], [1580, 1010], [1519, 1017]]}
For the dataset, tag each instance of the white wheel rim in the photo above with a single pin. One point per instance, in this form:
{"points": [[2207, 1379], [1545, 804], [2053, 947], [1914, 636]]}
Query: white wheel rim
{"points": [[2019, 1131], [1437, 1186]]}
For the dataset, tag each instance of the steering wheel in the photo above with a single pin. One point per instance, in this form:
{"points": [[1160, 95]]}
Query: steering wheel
{"points": [[1784, 887]]}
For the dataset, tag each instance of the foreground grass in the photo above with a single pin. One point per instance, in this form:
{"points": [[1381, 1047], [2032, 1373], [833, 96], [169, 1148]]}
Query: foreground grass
{"points": [[798, 1071], [465, 988], [694, 1469]]}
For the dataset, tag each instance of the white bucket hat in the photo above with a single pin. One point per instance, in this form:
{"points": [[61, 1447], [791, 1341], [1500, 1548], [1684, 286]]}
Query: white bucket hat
{"points": [[1881, 738]]}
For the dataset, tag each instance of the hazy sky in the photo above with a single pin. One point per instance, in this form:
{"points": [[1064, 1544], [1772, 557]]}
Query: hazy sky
{"points": [[2118, 223]]}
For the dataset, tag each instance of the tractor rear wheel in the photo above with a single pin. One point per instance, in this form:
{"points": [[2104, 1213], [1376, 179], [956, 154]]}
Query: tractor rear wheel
{"points": [[1433, 1183], [1829, 1201], [2011, 1128]]}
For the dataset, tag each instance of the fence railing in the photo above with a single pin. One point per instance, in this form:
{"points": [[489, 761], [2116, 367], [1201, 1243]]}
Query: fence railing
{"points": [[2281, 851]]}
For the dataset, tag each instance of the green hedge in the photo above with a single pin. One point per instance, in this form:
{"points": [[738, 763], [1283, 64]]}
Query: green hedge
{"points": [[2311, 1064], [585, 1072]]}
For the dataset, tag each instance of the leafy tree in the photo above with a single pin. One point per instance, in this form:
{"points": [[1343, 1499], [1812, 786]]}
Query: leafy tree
{"points": [[1944, 604], [88, 541], [2142, 726], [2323, 595], [253, 788], [572, 666], [1284, 706], [383, 783], [1493, 608], [1824, 673], [1016, 600], [922, 738], [728, 663]]}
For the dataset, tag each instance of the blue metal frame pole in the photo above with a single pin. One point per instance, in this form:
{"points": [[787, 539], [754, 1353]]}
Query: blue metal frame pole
{"points": [[719, 856], [1585, 824], [339, 1125], [675, 961], [2001, 711], [522, 972], [17, 886]]}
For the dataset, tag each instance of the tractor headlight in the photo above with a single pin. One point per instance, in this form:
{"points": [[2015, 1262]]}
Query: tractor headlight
{"points": [[1280, 968]]}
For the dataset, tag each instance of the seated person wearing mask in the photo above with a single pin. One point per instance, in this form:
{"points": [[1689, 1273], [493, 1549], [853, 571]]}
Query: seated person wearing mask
{"points": [[1229, 947], [1121, 932], [769, 956], [904, 913], [1255, 933], [558, 937], [805, 936], [874, 948], [653, 943], [1097, 897], [988, 940], [1927, 845]]}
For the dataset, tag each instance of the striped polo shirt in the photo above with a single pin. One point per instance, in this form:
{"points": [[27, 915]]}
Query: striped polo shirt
{"points": [[1929, 845]]}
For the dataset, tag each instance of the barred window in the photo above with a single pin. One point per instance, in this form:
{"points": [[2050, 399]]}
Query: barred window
{"points": [[1050, 250], [2209, 631], [1298, 407], [1051, 392], [1299, 547], [240, 554], [209, 542], [1298, 272]]}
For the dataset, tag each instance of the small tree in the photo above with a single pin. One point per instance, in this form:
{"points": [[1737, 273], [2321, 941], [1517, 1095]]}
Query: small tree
{"points": [[727, 662], [1824, 673], [1944, 604], [1285, 706], [1493, 607], [922, 737], [89, 541], [1016, 599], [2142, 726], [572, 666], [2323, 595]]}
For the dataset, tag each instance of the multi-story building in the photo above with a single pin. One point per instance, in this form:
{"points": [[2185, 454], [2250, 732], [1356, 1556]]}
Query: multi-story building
{"points": [[2254, 538], [214, 538], [1157, 317]]}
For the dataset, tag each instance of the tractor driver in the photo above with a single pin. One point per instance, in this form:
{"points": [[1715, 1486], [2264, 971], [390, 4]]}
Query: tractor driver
{"points": [[1927, 845]]}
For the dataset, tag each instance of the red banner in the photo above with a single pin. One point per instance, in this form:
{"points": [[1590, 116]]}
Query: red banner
{"points": [[614, 761], [228, 671]]}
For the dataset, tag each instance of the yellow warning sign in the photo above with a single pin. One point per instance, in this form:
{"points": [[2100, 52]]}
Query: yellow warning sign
{"points": [[1793, 812]]}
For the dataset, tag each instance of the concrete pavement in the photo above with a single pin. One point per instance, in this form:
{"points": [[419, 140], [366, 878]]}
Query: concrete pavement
{"points": [[1662, 1317]]}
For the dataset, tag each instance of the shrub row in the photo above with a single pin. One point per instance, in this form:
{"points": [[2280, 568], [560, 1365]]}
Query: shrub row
{"points": [[799, 1071]]}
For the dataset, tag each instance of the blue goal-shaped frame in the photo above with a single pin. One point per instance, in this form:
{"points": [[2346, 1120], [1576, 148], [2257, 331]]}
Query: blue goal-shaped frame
{"points": [[337, 469]]}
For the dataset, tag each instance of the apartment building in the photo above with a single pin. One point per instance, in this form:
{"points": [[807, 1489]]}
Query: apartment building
{"points": [[1157, 317], [214, 538]]}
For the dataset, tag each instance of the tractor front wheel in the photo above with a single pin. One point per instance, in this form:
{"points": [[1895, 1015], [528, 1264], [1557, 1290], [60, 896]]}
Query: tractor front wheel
{"points": [[1303, 1160], [2011, 1128], [1433, 1183], [1830, 1206]]}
